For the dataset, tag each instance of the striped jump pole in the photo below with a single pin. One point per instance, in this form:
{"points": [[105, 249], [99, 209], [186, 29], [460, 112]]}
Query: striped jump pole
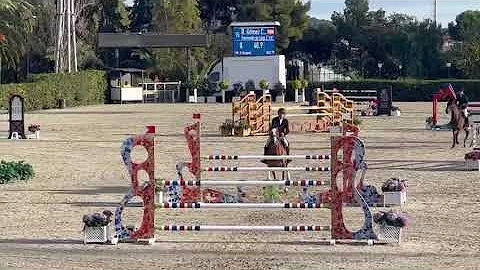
{"points": [[254, 169], [198, 183], [301, 228], [235, 157], [198, 205]]}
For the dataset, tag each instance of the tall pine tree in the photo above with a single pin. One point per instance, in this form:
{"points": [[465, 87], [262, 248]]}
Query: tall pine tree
{"points": [[141, 16]]}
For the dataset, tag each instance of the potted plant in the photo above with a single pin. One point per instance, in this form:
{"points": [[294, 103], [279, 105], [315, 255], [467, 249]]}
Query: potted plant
{"points": [[227, 128], [264, 86], [297, 85], [35, 129], [237, 89], [250, 86], [223, 87], [242, 128], [304, 86], [279, 89], [197, 87], [271, 194], [159, 188]]}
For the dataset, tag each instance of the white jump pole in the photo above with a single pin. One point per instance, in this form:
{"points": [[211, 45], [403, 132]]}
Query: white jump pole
{"points": [[301, 228], [254, 169], [240, 205], [309, 114], [233, 157], [302, 183]]}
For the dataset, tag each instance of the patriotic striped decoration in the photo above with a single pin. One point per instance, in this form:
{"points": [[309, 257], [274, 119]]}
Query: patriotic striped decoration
{"points": [[241, 205], [237, 169], [235, 157], [198, 183], [301, 228]]}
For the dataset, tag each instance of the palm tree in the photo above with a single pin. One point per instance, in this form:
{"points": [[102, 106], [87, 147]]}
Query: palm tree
{"points": [[15, 26]]}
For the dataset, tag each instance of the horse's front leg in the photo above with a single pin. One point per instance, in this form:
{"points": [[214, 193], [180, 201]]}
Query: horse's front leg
{"points": [[453, 138]]}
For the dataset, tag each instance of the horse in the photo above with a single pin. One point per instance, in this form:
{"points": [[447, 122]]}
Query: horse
{"points": [[274, 147], [458, 122]]}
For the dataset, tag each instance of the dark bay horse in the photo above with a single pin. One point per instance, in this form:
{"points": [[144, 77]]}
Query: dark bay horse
{"points": [[274, 147], [458, 122]]}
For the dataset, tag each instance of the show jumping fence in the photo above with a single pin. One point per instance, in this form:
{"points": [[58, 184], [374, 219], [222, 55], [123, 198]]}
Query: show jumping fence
{"points": [[349, 164], [329, 111]]}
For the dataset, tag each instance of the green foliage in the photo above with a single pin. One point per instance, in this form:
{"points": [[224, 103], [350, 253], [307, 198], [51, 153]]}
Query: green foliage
{"points": [[15, 171], [263, 84], [114, 16], [405, 90], [466, 26], [292, 15], [223, 85], [159, 182], [271, 194], [304, 83], [141, 16], [43, 92], [297, 84], [16, 23]]}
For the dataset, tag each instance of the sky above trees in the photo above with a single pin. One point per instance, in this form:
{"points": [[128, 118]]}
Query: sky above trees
{"points": [[447, 10]]}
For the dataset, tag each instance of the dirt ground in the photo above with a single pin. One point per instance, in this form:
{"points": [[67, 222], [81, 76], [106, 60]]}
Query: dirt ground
{"points": [[79, 170]]}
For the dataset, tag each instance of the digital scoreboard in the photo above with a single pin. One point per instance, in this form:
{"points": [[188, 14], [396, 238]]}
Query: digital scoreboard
{"points": [[254, 40]]}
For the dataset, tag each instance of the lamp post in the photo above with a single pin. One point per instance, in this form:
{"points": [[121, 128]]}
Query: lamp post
{"points": [[380, 65], [400, 67], [449, 65]]}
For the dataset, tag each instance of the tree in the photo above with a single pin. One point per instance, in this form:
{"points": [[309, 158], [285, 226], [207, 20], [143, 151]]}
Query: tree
{"points": [[292, 15], [466, 26], [114, 16], [141, 16], [180, 16], [318, 41], [215, 14], [15, 26]]}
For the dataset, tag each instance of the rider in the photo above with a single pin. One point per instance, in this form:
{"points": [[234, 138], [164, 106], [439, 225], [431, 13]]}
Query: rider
{"points": [[462, 102], [281, 124]]}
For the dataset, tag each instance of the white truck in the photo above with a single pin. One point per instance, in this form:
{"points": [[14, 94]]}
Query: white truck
{"points": [[255, 68]]}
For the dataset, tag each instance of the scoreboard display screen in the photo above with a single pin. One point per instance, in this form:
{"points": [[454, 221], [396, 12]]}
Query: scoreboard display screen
{"points": [[254, 41]]}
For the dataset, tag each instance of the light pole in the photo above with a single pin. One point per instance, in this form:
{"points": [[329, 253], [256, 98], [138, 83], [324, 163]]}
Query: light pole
{"points": [[449, 65], [380, 65], [400, 67]]}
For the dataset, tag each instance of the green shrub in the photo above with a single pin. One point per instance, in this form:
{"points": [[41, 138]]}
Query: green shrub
{"points": [[405, 90], [15, 171], [44, 90]]}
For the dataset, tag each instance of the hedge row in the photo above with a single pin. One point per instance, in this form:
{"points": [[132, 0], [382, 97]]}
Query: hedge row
{"points": [[44, 90], [406, 90]]}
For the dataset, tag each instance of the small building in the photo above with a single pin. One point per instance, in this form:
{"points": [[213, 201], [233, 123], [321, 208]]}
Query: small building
{"points": [[126, 84]]}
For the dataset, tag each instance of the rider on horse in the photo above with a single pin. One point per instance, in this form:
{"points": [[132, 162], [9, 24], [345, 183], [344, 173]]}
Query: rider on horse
{"points": [[281, 124], [462, 102]]}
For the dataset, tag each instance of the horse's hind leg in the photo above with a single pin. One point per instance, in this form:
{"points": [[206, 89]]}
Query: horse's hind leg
{"points": [[467, 132]]}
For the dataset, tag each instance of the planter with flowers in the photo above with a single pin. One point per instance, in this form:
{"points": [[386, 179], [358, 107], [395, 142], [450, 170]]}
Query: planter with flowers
{"points": [[264, 86], [226, 128], [242, 129], [35, 129], [159, 189], [472, 160], [389, 225], [395, 192]]}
